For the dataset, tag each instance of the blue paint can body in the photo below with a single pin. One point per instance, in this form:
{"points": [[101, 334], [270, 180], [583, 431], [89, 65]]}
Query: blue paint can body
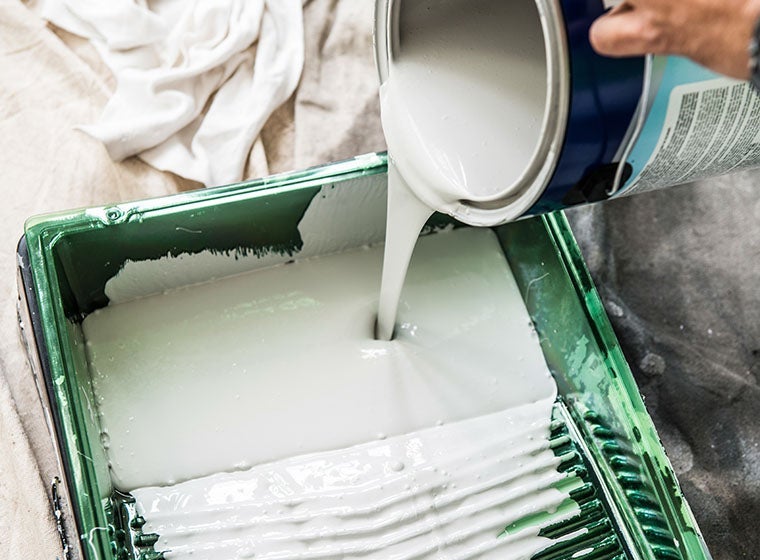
{"points": [[626, 125], [604, 96]]}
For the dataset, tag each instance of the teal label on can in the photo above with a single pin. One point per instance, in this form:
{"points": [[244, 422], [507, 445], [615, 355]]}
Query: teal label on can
{"points": [[697, 125]]}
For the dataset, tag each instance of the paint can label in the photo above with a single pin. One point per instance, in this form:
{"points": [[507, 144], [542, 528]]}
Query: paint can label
{"points": [[698, 125], [688, 124]]}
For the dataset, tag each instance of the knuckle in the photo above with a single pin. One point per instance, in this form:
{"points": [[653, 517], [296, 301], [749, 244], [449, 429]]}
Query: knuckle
{"points": [[653, 35], [656, 39]]}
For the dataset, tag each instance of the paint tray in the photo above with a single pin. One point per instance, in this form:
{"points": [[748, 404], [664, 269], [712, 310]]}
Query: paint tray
{"points": [[630, 504]]}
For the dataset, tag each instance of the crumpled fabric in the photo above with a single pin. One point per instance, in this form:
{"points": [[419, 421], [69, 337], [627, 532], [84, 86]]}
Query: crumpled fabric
{"points": [[196, 80]]}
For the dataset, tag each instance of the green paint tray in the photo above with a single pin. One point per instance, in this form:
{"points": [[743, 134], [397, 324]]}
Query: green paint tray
{"points": [[630, 504]]}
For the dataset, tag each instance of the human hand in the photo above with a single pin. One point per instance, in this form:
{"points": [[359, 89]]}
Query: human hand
{"points": [[714, 33]]}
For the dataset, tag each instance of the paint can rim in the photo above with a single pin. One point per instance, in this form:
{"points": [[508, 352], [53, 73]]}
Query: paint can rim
{"points": [[515, 199]]}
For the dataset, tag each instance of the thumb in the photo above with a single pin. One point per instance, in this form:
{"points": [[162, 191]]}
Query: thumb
{"points": [[624, 31]]}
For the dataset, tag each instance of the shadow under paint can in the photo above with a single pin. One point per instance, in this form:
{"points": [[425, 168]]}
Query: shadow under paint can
{"points": [[497, 110]]}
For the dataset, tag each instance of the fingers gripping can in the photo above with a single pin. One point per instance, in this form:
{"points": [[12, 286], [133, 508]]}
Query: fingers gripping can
{"points": [[496, 110]]}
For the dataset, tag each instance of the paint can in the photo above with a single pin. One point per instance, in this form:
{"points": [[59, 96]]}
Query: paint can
{"points": [[538, 121]]}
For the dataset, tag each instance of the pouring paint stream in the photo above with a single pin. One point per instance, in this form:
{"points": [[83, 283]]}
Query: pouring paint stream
{"points": [[406, 217], [462, 110]]}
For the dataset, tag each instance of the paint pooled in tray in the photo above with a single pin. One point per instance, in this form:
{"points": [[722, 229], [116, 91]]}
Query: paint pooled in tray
{"points": [[273, 379]]}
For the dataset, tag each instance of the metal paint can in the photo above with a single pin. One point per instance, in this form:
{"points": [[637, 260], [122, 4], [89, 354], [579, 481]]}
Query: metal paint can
{"points": [[610, 127]]}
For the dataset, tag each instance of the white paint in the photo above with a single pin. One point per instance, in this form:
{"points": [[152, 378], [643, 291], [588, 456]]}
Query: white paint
{"points": [[338, 218], [262, 366], [255, 416], [406, 216], [467, 106], [444, 492]]}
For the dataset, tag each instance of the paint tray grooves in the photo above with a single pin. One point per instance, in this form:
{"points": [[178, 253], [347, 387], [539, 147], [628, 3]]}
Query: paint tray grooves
{"points": [[639, 492], [592, 533], [596, 533]]}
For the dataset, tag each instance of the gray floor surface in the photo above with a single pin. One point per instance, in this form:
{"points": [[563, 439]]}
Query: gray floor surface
{"points": [[679, 273]]}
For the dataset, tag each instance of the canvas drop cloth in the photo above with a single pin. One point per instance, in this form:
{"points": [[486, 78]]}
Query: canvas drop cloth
{"points": [[679, 271]]}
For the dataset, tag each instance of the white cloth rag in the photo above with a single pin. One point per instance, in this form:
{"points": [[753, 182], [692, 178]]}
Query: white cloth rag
{"points": [[196, 79]]}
